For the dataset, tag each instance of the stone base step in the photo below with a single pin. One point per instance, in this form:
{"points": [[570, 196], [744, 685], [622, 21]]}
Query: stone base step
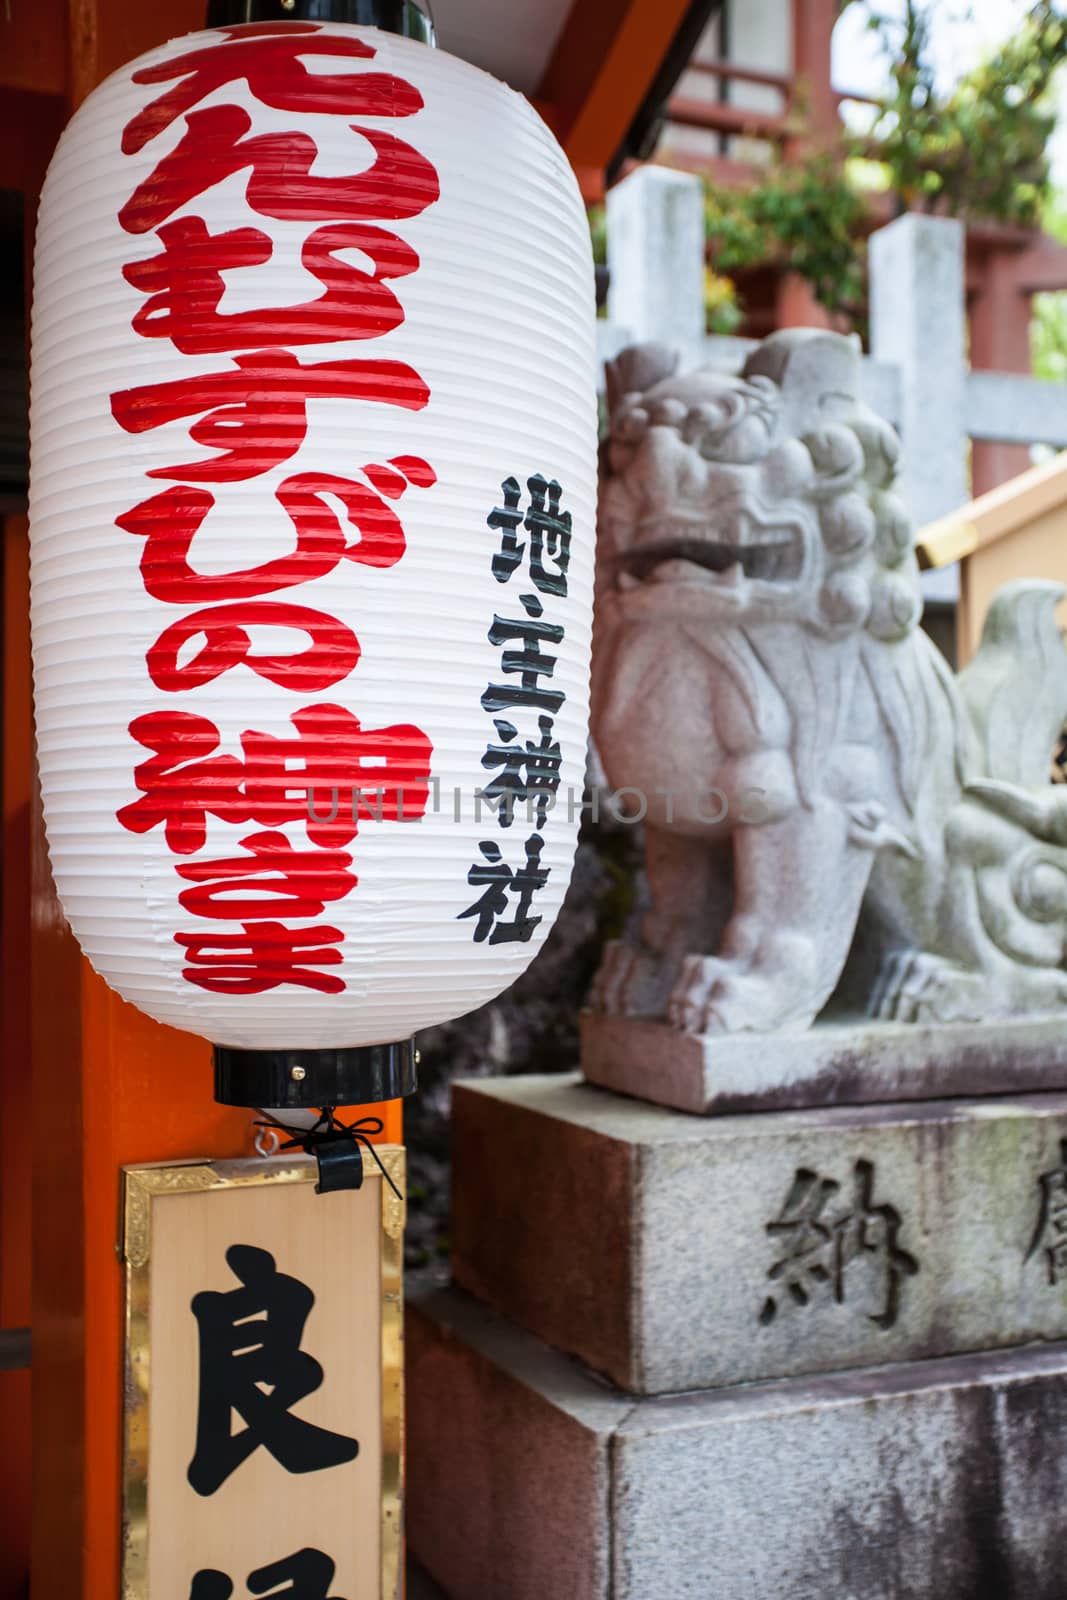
{"points": [[530, 1480]]}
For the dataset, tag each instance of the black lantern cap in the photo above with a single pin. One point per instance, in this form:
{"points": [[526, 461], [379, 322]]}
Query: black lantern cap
{"points": [[300, 1080], [391, 16]]}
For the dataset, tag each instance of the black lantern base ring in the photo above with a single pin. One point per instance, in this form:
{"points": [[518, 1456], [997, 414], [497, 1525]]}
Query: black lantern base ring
{"points": [[303, 1080]]}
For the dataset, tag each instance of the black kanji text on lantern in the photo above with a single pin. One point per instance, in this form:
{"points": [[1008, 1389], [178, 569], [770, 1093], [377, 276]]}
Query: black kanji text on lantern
{"points": [[526, 758], [251, 1364], [549, 530]]}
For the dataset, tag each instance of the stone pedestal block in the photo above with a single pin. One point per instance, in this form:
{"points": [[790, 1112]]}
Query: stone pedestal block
{"points": [[673, 1252], [833, 1063], [529, 1481], [507, 1443]]}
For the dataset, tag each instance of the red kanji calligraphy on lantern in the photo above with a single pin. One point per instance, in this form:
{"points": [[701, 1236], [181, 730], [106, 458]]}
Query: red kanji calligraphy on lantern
{"points": [[400, 182], [276, 281], [257, 410], [330, 657], [331, 776], [184, 782], [186, 284], [335, 774], [274, 879], [169, 522], [263, 956], [270, 63]]}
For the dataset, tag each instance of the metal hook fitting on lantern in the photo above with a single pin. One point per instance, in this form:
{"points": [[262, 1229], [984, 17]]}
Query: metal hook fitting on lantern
{"points": [[337, 1147], [404, 17]]}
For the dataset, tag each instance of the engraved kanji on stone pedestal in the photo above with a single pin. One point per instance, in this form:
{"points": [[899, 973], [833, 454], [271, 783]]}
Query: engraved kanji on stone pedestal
{"points": [[672, 1252]]}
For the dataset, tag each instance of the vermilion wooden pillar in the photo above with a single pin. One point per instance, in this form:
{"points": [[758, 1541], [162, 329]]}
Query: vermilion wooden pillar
{"points": [[813, 26], [1000, 339], [30, 118], [15, 1174], [109, 1087]]}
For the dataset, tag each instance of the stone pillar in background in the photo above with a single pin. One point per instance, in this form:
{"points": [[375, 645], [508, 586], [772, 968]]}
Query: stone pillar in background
{"points": [[655, 220], [918, 323]]}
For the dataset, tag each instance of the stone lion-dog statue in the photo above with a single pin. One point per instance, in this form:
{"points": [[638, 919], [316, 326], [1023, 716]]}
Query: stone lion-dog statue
{"points": [[832, 816]]}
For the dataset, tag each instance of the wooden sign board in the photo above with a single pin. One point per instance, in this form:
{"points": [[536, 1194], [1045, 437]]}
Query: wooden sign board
{"points": [[264, 1383]]}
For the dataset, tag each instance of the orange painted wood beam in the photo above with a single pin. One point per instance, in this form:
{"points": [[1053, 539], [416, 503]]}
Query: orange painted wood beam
{"points": [[1041, 266], [719, 116], [604, 63], [761, 75]]}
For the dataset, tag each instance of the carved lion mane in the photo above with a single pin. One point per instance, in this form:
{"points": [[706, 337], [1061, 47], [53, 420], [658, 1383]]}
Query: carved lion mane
{"points": [[758, 630]]}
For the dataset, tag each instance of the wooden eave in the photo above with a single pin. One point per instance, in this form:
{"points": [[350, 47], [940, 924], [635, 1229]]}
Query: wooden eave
{"points": [[995, 515], [607, 62]]}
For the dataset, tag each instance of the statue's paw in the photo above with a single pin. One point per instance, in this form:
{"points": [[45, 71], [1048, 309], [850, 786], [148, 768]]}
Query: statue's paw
{"points": [[739, 1003], [632, 981], [717, 996], [916, 986], [688, 1003], [748, 1002], [774, 987], [887, 985], [614, 977]]}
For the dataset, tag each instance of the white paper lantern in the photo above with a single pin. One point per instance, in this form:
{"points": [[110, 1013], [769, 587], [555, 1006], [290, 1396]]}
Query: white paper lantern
{"points": [[312, 512]]}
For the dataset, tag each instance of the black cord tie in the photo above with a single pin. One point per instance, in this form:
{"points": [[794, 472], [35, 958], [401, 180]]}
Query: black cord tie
{"points": [[337, 1147]]}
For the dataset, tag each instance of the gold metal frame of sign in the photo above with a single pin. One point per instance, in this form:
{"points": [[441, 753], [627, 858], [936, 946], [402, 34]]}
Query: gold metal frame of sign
{"points": [[141, 1186]]}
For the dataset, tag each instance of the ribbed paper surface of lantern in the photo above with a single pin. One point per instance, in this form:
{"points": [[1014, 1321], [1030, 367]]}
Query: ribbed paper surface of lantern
{"points": [[312, 509]]}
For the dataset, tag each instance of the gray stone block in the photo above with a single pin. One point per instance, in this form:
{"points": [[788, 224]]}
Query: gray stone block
{"points": [[673, 1252], [833, 1063], [939, 1480], [507, 1443]]}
